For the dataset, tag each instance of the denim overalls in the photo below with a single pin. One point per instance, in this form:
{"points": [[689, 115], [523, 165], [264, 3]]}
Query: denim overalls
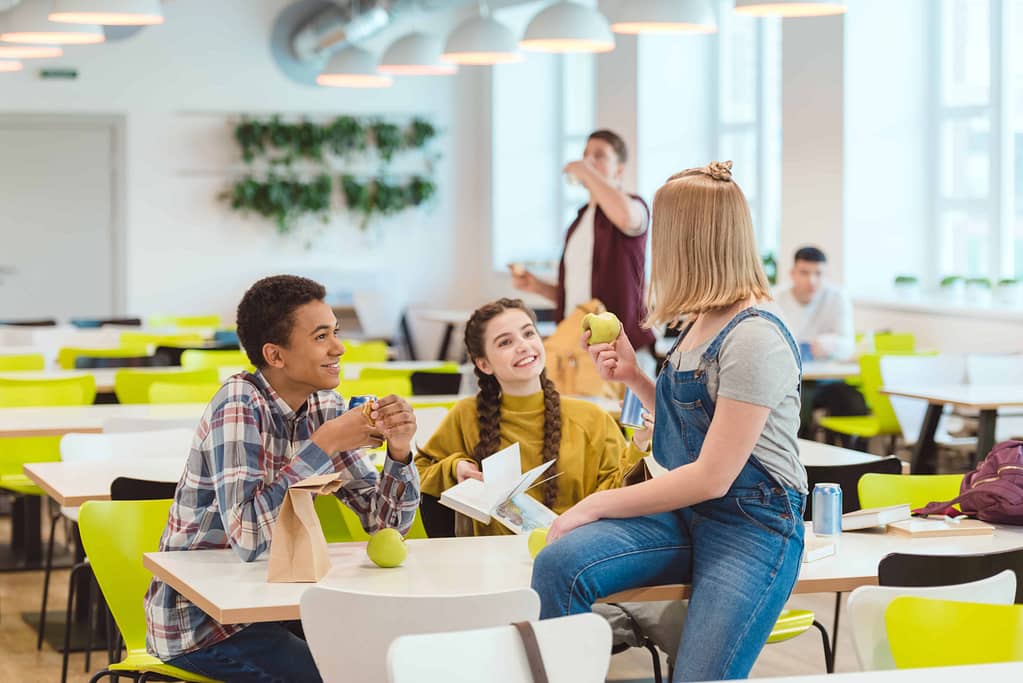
{"points": [[741, 553]]}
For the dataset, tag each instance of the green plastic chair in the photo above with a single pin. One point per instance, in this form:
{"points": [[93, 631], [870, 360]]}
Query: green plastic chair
{"points": [[387, 373], [146, 339], [22, 362], [364, 351], [924, 632], [197, 359], [399, 386], [796, 622], [67, 356], [881, 490], [115, 534], [341, 525], [132, 386], [182, 392], [184, 321], [895, 342], [881, 421], [15, 452]]}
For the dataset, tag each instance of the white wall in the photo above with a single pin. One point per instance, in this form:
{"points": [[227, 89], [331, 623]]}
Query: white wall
{"points": [[885, 178], [181, 84]]}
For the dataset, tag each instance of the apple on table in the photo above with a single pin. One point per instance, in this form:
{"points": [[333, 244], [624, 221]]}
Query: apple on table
{"points": [[386, 548]]}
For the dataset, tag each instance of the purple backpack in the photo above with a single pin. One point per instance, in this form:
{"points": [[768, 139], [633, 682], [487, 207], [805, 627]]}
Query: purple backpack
{"points": [[993, 492]]}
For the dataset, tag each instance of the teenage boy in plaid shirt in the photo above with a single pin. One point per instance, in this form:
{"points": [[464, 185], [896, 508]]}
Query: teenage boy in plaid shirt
{"points": [[261, 433]]}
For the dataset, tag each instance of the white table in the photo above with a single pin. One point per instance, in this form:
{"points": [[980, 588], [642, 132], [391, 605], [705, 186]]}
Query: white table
{"points": [[232, 591], [72, 483], [985, 398], [817, 454], [57, 421], [820, 370]]}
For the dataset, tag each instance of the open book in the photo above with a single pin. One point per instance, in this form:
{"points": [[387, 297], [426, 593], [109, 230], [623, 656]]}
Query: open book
{"points": [[871, 517], [502, 494], [929, 527]]}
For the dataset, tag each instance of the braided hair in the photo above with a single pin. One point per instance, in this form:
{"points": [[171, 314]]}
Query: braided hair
{"points": [[488, 399]]}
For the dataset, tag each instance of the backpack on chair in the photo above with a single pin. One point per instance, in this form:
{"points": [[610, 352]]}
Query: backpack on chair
{"points": [[569, 365], [993, 491]]}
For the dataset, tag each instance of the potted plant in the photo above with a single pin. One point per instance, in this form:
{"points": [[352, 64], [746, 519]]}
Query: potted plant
{"points": [[770, 268], [953, 289], [978, 291], [1010, 292], [907, 288]]}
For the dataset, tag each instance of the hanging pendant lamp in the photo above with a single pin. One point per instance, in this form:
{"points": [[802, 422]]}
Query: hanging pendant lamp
{"points": [[663, 16], [789, 8], [353, 67], [481, 40], [29, 51], [9, 65], [416, 54], [568, 27], [29, 23], [107, 12]]}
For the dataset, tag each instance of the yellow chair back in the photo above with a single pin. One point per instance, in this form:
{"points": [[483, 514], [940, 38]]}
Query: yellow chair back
{"points": [[132, 386], [399, 386], [67, 356], [183, 321], [364, 352], [881, 490], [18, 362], [145, 339], [195, 359]]}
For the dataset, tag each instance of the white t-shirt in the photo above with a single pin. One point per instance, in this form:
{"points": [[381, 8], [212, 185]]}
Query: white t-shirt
{"points": [[827, 320], [579, 262]]}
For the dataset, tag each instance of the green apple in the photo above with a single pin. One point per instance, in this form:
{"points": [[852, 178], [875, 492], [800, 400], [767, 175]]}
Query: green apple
{"points": [[387, 548], [603, 327], [537, 541]]}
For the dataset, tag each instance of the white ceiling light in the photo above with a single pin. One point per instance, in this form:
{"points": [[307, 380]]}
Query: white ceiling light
{"points": [[663, 16], [568, 27], [109, 12], [353, 67], [789, 8], [7, 65], [28, 23], [416, 54], [481, 40], [29, 51]]}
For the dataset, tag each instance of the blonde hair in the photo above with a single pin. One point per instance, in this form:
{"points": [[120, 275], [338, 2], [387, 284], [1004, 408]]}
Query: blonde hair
{"points": [[704, 254]]}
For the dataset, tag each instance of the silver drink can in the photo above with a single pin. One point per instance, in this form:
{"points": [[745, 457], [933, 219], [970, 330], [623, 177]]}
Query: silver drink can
{"points": [[632, 410], [827, 509]]}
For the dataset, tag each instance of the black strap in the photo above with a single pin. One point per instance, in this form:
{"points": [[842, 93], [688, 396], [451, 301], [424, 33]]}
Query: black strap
{"points": [[528, 636]]}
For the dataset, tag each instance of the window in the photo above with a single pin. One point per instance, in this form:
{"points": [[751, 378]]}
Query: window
{"points": [[748, 113], [978, 130]]}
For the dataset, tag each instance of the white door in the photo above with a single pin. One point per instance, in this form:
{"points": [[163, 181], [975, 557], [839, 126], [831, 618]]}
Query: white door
{"points": [[60, 197]]}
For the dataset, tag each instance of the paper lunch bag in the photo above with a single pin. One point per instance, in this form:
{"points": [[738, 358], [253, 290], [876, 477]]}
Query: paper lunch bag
{"points": [[298, 550]]}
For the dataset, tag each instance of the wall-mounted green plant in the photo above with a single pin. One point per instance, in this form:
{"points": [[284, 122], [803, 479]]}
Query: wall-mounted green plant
{"points": [[388, 139], [906, 280], [346, 135], [770, 268], [979, 282], [380, 196], [283, 199], [950, 280]]}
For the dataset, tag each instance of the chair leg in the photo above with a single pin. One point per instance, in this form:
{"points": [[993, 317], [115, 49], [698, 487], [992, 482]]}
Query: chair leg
{"points": [[834, 628], [94, 597], [113, 675], [47, 570], [829, 658], [69, 618], [656, 660]]}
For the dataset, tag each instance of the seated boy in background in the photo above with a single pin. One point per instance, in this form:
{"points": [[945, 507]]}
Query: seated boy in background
{"points": [[817, 312], [261, 433]]}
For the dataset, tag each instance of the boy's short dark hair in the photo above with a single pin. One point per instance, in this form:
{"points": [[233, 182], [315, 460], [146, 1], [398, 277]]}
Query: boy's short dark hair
{"points": [[811, 254], [266, 313], [615, 140]]}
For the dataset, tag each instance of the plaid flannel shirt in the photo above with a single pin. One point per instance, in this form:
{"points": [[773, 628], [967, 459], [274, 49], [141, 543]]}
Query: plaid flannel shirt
{"points": [[250, 446]]}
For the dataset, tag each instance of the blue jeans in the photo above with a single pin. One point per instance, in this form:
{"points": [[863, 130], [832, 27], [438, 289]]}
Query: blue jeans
{"points": [[750, 549], [259, 652]]}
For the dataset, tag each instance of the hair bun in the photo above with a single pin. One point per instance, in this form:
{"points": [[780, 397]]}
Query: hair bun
{"points": [[719, 170]]}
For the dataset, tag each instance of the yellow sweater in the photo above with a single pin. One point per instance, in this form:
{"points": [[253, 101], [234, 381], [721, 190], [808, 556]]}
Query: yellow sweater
{"points": [[593, 453]]}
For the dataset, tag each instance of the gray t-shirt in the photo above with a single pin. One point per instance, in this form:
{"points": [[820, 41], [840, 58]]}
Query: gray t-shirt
{"points": [[756, 365]]}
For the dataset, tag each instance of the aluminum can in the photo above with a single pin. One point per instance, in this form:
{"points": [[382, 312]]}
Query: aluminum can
{"points": [[632, 410], [356, 401], [827, 509]]}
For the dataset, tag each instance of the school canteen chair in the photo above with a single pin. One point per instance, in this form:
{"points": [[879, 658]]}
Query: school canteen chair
{"points": [[340, 524], [882, 490], [859, 429], [132, 386], [15, 452], [19, 362], [867, 605], [894, 342], [116, 425], [910, 412], [121, 488], [382, 618], [67, 355], [180, 392], [184, 321], [115, 535], [574, 649], [173, 444], [148, 339], [226, 338], [197, 359], [901, 569], [445, 379], [364, 352], [100, 362], [399, 386], [91, 323], [926, 633], [848, 477]]}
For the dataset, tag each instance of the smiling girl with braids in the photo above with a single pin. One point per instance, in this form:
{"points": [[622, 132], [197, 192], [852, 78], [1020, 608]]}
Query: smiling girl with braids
{"points": [[517, 403]]}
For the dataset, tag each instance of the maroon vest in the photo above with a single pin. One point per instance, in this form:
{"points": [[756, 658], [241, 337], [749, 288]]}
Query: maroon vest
{"points": [[619, 273]]}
